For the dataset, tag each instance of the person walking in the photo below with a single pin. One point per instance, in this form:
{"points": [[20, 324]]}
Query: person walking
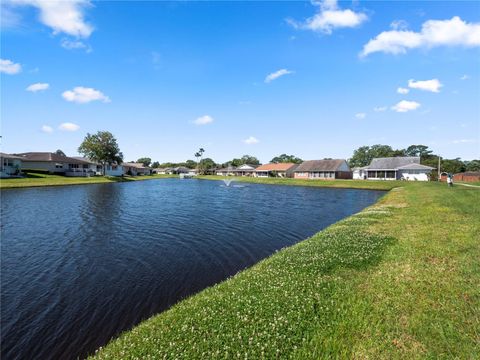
{"points": [[449, 181]]}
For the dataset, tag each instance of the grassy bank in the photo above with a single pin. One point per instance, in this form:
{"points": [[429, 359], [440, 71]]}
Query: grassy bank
{"points": [[34, 179], [351, 184], [398, 280]]}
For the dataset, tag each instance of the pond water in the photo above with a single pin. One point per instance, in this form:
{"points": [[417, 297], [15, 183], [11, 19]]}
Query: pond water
{"points": [[80, 264]]}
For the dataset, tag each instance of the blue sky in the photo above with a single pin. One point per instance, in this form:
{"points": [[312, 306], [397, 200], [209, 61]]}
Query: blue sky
{"points": [[262, 78]]}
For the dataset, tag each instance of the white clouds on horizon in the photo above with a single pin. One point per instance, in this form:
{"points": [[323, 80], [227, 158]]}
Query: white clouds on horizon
{"points": [[75, 45], [203, 120], [38, 87], [403, 91], [9, 67], [434, 33], [405, 105], [330, 17], [83, 95], [67, 126], [465, 77], [47, 129], [360, 116], [380, 108], [275, 75], [432, 85], [62, 16], [251, 140]]}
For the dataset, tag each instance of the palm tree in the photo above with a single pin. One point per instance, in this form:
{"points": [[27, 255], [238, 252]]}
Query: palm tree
{"points": [[199, 154]]}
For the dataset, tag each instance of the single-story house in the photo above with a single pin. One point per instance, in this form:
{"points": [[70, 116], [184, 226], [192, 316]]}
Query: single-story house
{"points": [[110, 169], [245, 170], [10, 165], [56, 164], [469, 176], [159, 171], [323, 169], [225, 171], [282, 170], [135, 169], [398, 168]]}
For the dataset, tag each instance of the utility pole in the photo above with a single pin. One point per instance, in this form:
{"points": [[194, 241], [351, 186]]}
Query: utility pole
{"points": [[439, 172]]}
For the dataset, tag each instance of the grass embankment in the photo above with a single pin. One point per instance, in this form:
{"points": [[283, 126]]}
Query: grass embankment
{"points": [[35, 179], [400, 279]]}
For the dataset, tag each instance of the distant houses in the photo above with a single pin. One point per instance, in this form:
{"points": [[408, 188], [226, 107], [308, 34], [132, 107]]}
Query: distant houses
{"points": [[391, 168], [394, 168]]}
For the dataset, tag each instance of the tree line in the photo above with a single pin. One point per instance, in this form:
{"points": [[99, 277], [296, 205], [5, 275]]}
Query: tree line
{"points": [[103, 148]]}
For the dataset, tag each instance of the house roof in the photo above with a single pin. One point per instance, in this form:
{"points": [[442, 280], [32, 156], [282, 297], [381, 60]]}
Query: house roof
{"points": [[320, 165], [245, 167], [135, 165], [276, 167], [415, 167], [9, 156], [392, 163], [50, 157]]}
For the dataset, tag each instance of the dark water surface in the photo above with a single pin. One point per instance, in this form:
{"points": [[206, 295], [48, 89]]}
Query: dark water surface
{"points": [[80, 264]]}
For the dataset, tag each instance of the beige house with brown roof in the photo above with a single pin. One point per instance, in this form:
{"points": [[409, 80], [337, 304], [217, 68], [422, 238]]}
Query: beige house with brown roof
{"points": [[328, 169], [136, 169], [56, 164]]}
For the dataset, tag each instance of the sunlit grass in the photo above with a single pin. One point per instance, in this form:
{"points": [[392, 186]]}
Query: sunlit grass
{"points": [[36, 179], [398, 280]]}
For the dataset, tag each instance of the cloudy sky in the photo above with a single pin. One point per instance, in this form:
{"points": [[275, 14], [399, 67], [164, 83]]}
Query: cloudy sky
{"points": [[314, 79]]}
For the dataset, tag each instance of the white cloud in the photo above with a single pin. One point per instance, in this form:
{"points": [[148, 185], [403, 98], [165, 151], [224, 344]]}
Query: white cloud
{"points": [[69, 127], [465, 77], [203, 120], [453, 32], [75, 45], [47, 129], [433, 85], [405, 105], [403, 91], [9, 67], [464, 141], [380, 108], [251, 140], [38, 87], [360, 116], [84, 95], [277, 74], [62, 16], [330, 17]]}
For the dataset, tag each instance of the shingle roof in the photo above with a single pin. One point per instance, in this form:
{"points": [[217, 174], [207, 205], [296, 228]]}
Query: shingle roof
{"points": [[392, 163], [275, 167], [135, 165], [415, 167], [47, 156], [9, 156], [320, 165]]}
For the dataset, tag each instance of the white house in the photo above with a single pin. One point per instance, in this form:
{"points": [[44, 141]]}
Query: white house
{"points": [[135, 169], [397, 168], [10, 165], [244, 170]]}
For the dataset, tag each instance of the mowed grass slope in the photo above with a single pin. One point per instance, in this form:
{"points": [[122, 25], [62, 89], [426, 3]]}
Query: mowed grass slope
{"points": [[400, 279], [35, 179]]}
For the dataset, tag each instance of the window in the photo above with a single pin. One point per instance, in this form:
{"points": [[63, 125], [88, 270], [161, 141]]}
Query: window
{"points": [[58, 166], [390, 174]]}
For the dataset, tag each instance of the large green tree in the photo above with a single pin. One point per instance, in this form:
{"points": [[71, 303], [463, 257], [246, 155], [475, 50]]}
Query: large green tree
{"points": [[155, 164], [245, 159], [206, 164], [60, 152], [364, 154], [473, 165], [101, 147], [418, 150], [284, 158], [146, 161]]}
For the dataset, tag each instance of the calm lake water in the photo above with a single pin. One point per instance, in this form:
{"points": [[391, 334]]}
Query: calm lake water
{"points": [[80, 264]]}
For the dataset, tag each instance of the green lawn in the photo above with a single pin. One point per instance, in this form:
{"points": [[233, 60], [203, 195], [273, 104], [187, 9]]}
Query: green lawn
{"points": [[400, 279], [35, 179]]}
